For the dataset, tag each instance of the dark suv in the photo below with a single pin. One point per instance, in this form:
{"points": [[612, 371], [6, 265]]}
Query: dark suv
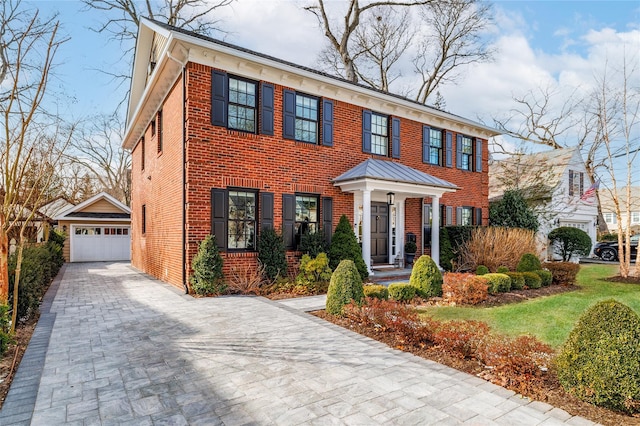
{"points": [[608, 250]]}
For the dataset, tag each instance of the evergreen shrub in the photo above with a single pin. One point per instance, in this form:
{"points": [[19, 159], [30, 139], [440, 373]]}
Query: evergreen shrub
{"points": [[345, 286], [529, 262], [498, 283], [377, 291], [426, 277], [517, 280], [313, 243], [545, 276], [272, 254], [207, 277], [401, 292], [532, 280], [344, 245], [481, 270]]}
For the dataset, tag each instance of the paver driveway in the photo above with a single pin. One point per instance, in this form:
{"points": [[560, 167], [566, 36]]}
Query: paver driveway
{"points": [[126, 349]]}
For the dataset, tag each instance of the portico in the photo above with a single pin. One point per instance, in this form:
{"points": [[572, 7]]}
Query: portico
{"points": [[376, 182]]}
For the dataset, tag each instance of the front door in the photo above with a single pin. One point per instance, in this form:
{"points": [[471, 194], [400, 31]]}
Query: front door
{"points": [[379, 232]]}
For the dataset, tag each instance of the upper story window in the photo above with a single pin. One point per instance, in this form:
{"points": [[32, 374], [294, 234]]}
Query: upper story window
{"points": [[635, 217], [435, 147], [242, 105], [576, 183], [306, 118], [610, 218], [241, 223], [379, 134], [466, 153]]}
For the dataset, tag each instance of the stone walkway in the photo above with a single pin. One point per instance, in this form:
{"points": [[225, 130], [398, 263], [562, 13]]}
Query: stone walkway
{"points": [[121, 348]]}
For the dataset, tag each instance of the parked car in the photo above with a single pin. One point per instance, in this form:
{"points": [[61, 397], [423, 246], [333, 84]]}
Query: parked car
{"points": [[608, 250]]}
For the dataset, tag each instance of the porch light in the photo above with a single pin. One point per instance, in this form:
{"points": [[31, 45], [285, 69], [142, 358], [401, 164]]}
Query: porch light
{"points": [[391, 198]]}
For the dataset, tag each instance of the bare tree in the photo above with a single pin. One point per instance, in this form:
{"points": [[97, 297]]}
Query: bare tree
{"points": [[616, 106], [97, 148], [339, 34], [453, 40], [380, 43], [31, 136]]}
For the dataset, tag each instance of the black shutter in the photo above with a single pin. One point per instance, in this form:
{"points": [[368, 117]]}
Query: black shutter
{"points": [[395, 137], [425, 144], [458, 216], [219, 89], [266, 210], [289, 220], [459, 151], [570, 182], [478, 155], [449, 149], [327, 122], [289, 115], [478, 212], [366, 131], [327, 218], [266, 109], [219, 217]]}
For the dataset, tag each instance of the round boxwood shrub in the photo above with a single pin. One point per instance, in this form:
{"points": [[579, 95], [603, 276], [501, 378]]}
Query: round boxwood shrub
{"points": [[529, 262], [517, 280], [532, 280], [600, 361], [345, 286], [569, 242], [377, 291], [401, 292], [426, 277], [502, 269], [344, 245], [481, 270], [545, 276], [498, 283], [207, 277]]}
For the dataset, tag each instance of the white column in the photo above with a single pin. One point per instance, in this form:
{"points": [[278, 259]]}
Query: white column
{"points": [[400, 226], [366, 228], [435, 230]]}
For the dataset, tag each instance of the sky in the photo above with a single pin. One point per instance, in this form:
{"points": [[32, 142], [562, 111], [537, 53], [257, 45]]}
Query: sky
{"points": [[561, 45]]}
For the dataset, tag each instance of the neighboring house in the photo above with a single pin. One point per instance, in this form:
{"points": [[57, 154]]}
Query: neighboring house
{"points": [[556, 185], [230, 142], [98, 229], [609, 211]]}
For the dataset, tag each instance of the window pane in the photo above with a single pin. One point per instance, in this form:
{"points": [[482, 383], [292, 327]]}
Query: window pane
{"points": [[379, 134], [306, 118], [241, 223], [242, 103]]}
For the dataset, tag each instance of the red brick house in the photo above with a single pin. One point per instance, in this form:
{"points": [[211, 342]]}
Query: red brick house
{"points": [[229, 141]]}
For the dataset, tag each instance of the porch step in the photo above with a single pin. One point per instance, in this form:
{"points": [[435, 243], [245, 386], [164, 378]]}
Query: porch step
{"points": [[389, 275]]}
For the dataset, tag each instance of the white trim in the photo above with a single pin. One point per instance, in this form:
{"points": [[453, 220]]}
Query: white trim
{"points": [[97, 225], [88, 202]]}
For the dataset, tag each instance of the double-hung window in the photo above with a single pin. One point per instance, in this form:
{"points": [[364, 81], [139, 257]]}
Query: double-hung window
{"points": [[610, 218], [576, 183], [242, 105], [467, 153], [635, 217], [465, 216], [307, 113], [241, 220], [306, 214], [435, 147], [379, 134]]}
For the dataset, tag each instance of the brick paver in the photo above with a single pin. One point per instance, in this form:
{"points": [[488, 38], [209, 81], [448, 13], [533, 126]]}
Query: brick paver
{"points": [[122, 348]]}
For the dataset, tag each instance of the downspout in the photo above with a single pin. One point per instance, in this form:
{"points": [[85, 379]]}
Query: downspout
{"points": [[184, 168]]}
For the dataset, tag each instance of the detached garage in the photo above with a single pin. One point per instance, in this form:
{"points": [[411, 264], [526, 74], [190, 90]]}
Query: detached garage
{"points": [[98, 229]]}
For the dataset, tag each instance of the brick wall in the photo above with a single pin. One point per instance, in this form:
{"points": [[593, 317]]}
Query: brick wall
{"points": [[219, 158]]}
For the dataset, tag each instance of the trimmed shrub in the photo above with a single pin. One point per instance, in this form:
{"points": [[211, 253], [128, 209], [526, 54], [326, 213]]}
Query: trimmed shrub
{"points": [[344, 245], [272, 253], [313, 243], [482, 270], [494, 247], [462, 336], [447, 255], [512, 211], [532, 280], [545, 276], [517, 280], [564, 273], [313, 270], [401, 292], [464, 289], [207, 276], [502, 269], [345, 286], [568, 242], [600, 361], [498, 283], [528, 262], [426, 277], [377, 291]]}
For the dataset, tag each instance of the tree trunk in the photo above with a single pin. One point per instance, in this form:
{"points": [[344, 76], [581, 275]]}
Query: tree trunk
{"points": [[16, 284], [4, 267]]}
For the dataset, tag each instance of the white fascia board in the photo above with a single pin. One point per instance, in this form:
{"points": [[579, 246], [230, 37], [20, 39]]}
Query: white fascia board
{"points": [[94, 219], [409, 190]]}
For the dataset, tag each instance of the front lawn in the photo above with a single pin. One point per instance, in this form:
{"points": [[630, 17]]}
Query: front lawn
{"points": [[549, 318]]}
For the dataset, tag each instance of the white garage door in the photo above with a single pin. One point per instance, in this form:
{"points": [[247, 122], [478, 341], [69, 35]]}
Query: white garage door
{"points": [[91, 243]]}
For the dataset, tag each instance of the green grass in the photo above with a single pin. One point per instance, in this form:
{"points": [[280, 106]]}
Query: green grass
{"points": [[549, 318]]}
